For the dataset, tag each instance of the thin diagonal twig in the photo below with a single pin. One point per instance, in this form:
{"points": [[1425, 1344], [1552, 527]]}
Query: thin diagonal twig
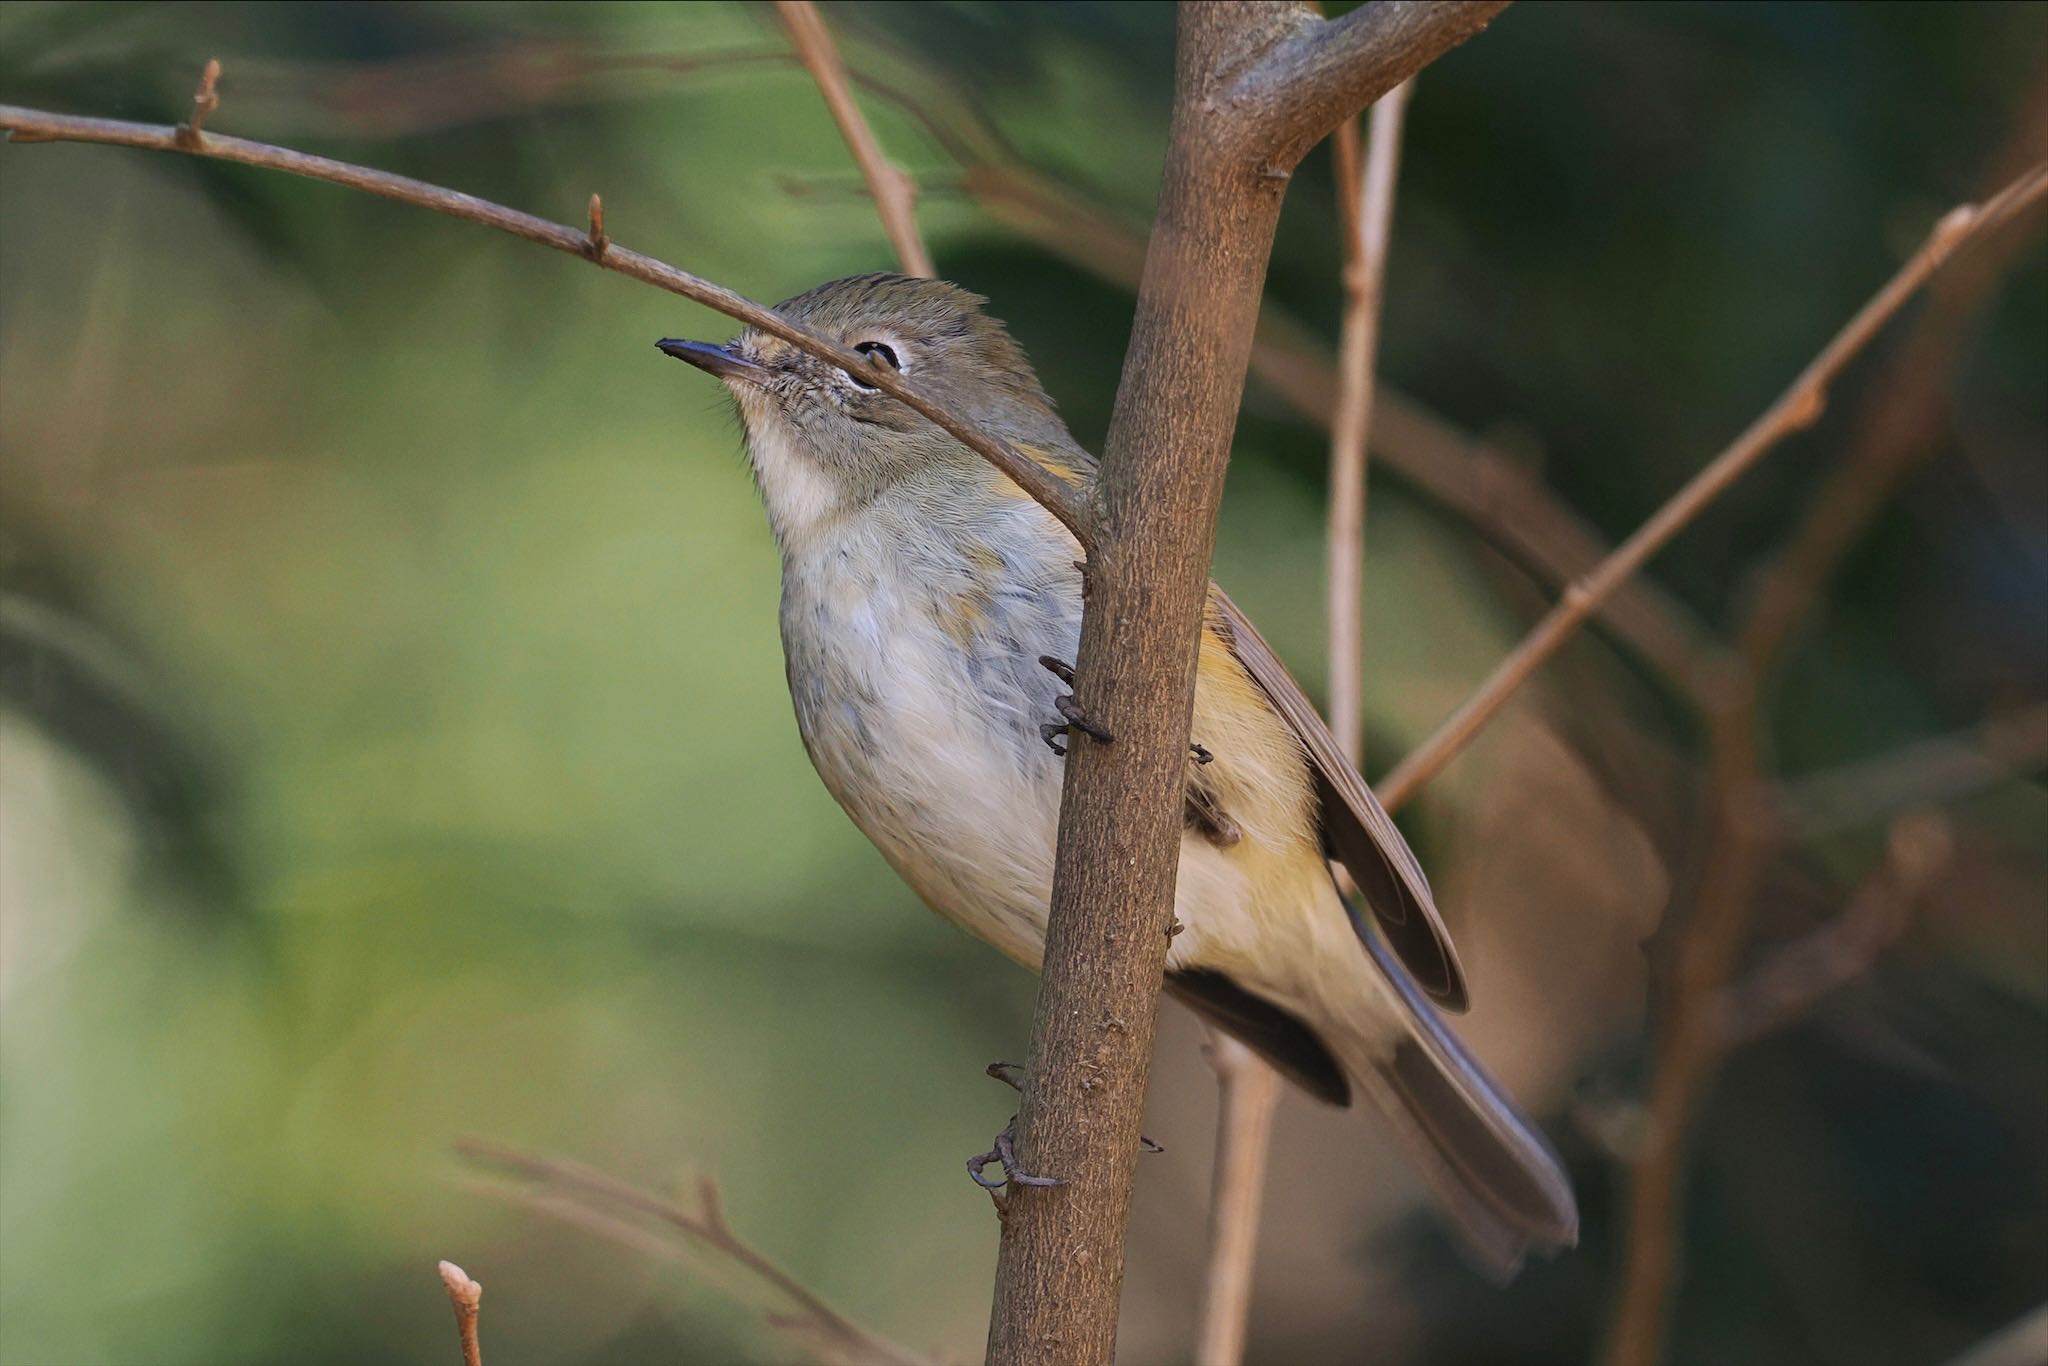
{"points": [[1796, 409], [895, 193], [35, 125]]}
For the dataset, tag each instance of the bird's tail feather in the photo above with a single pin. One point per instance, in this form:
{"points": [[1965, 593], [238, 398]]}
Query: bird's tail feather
{"points": [[1497, 1179], [1503, 1193]]}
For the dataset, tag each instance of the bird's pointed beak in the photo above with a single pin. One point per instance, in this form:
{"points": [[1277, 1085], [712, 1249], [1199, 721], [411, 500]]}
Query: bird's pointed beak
{"points": [[715, 360]]}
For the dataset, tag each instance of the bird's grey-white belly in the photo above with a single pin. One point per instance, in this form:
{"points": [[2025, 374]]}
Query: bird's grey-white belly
{"points": [[927, 733]]}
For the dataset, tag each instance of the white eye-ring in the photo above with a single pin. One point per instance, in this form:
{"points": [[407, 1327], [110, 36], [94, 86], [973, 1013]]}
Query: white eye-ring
{"points": [[878, 353]]}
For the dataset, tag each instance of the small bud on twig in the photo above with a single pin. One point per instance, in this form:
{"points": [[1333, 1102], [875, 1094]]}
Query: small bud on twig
{"points": [[599, 240], [468, 1298], [205, 100]]}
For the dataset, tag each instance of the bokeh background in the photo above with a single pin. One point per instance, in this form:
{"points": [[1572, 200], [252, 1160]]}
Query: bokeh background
{"points": [[393, 744]]}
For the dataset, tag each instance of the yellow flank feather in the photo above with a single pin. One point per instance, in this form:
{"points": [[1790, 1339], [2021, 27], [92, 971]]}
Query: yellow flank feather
{"points": [[965, 614], [1058, 467], [1260, 773]]}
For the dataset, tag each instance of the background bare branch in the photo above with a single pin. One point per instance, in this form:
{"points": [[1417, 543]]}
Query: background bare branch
{"points": [[1796, 409], [895, 193], [1743, 829]]}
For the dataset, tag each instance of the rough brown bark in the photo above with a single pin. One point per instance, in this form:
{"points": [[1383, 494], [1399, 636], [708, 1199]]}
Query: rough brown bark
{"points": [[1255, 86]]}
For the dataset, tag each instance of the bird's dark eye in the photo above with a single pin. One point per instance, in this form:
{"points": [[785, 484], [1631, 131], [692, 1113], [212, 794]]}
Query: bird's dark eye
{"points": [[879, 351]]}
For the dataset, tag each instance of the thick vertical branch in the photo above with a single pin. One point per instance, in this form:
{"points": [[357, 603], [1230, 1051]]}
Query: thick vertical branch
{"points": [[1247, 105], [1060, 1270]]}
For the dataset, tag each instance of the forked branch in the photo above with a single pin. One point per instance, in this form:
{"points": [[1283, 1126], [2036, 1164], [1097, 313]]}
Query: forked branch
{"points": [[1325, 70]]}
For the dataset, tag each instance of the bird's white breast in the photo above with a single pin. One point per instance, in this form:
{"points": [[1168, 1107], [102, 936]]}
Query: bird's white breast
{"points": [[919, 696]]}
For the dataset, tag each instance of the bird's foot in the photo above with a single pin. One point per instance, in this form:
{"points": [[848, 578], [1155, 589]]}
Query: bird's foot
{"points": [[1004, 1153], [1073, 718]]}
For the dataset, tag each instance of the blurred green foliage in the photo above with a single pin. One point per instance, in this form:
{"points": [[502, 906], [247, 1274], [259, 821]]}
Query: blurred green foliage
{"points": [[446, 603]]}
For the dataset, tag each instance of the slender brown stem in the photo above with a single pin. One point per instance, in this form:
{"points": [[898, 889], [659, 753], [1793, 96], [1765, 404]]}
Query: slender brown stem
{"points": [[1796, 409], [35, 125], [468, 1298], [895, 193], [606, 1205], [205, 100], [1247, 1092], [1370, 227]]}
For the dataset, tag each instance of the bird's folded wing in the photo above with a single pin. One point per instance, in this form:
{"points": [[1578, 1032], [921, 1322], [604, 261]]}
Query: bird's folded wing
{"points": [[1359, 832]]}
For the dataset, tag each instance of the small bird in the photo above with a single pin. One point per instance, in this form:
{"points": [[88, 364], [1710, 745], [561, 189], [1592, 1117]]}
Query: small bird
{"points": [[928, 611]]}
